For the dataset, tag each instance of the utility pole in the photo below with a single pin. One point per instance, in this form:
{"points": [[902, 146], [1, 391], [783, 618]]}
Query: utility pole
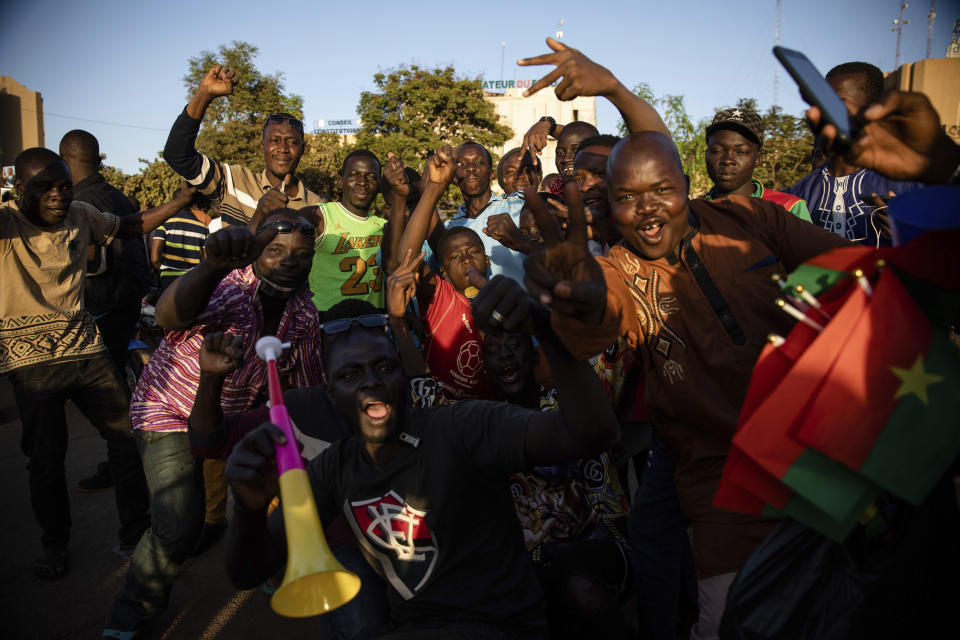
{"points": [[776, 66], [898, 27], [503, 50], [930, 17]]}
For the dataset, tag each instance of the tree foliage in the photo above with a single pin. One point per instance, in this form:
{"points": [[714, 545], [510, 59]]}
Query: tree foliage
{"points": [[233, 125], [154, 184], [689, 136], [414, 110], [787, 142], [323, 156], [787, 145]]}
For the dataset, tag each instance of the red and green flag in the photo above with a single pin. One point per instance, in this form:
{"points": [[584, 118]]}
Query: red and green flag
{"points": [[766, 469], [869, 402], [889, 408]]}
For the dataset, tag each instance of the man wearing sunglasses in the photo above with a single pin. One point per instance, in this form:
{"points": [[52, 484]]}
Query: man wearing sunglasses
{"points": [[425, 489], [248, 285], [234, 189]]}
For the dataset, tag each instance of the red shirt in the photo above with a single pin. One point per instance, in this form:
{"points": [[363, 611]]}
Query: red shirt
{"points": [[453, 348]]}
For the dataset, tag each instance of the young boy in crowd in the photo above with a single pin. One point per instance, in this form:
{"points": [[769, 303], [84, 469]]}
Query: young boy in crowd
{"points": [[516, 171], [452, 348], [50, 345], [734, 145]]}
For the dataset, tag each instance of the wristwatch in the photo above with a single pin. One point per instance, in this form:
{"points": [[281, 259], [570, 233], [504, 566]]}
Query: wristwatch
{"points": [[553, 123]]}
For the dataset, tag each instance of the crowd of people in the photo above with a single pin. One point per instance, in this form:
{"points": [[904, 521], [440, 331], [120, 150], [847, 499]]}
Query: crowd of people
{"points": [[468, 392]]}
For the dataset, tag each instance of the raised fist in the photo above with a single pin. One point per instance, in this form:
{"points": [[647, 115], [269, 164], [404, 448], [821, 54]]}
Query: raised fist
{"points": [[218, 81], [441, 167], [236, 247], [221, 353]]}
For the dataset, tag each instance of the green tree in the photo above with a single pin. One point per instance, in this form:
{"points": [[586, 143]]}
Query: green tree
{"points": [[689, 136], [114, 176], [323, 156], [233, 126], [787, 145], [414, 110], [154, 184]]}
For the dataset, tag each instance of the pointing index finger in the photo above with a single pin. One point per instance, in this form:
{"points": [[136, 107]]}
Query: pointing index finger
{"points": [[545, 81], [546, 58]]}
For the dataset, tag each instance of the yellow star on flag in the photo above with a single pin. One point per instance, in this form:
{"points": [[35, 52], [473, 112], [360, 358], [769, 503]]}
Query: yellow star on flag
{"points": [[914, 380]]}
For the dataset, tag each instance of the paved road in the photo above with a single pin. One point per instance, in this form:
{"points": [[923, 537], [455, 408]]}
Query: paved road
{"points": [[203, 605]]}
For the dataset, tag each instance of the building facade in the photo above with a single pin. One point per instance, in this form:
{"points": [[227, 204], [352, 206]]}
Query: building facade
{"points": [[939, 79], [521, 113], [21, 120]]}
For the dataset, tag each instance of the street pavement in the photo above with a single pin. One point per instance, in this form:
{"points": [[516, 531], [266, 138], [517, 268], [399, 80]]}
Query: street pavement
{"points": [[203, 605]]}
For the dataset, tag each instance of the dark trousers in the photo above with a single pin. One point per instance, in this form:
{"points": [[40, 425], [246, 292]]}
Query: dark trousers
{"points": [[94, 385], [661, 551], [116, 328]]}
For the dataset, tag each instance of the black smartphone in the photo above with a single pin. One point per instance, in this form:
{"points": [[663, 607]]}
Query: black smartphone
{"points": [[815, 90]]}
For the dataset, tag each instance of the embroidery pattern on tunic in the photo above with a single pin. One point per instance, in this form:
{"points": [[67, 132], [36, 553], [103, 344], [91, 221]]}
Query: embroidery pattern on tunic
{"points": [[653, 311]]}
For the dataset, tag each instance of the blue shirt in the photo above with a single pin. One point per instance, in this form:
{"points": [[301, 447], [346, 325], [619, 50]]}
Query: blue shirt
{"points": [[502, 260], [834, 205]]}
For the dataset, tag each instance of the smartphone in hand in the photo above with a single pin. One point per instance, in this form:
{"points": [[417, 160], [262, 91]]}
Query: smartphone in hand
{"points": [[815, 90]]}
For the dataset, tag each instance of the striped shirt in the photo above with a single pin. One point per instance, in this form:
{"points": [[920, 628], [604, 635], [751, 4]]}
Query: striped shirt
{"points": [[164, 396], [233, 189], [183, 237]]}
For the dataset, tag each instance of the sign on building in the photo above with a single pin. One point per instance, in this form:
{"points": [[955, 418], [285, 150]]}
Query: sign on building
{"points": [[503, 85], [343, 126]]}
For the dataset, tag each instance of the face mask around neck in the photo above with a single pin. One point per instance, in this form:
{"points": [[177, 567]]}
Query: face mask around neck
{"points": [[271, 288]]}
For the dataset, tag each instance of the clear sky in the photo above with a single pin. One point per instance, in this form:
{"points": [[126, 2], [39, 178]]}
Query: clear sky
{"points": [[115, 61]]}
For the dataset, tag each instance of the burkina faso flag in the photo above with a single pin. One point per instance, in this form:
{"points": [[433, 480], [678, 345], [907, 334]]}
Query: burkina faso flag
{"points": [[889, 408], [767, 472]]}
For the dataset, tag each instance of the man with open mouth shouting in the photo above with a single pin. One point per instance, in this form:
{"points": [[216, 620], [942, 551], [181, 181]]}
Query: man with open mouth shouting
{"points": [[425, 490], [689, 287]]}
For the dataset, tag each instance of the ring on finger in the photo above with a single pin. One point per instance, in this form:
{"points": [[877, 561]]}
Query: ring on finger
{"points": [[496, 316]]}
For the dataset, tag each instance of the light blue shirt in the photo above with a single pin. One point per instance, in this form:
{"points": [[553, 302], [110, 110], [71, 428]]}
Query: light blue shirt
{"points": [[502, 260]]}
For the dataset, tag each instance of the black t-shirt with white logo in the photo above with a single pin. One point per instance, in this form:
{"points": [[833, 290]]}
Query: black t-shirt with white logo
{"points": [[437, 520]]}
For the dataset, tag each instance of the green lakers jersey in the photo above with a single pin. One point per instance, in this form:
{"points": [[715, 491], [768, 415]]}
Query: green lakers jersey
{"points": [[345, 262]]}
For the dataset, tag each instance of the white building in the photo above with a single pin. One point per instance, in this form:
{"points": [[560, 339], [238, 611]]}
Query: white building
{"points": [[521, 113]]}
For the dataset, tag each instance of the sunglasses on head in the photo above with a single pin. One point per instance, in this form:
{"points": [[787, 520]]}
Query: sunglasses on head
{"points": [[284, 118], [289, 226], [370, 321]]}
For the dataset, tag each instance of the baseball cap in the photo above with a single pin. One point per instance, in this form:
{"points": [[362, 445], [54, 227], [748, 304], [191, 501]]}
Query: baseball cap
{"points": [[744, 121]]}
